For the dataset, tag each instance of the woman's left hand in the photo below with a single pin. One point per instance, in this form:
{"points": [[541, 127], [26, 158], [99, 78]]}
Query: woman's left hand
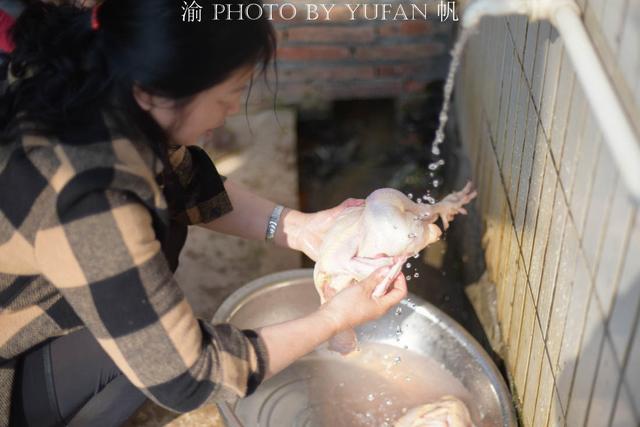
{"points": [[314, 227]]}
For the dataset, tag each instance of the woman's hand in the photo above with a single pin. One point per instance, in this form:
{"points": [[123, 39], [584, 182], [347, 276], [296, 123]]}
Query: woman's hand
{"points": [[355, 304], [310, 234]]}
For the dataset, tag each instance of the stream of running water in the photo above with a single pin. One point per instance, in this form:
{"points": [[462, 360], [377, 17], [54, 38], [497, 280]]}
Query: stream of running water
{"points": [[436, 153]]}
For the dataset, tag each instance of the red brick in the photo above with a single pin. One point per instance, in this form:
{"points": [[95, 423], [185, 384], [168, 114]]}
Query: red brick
{"points": [[309, 53], [429, 69], [405, 28], [367, 89], [318, 73], [305, 92], [281, 36], [412, 86], [397, 70], [291, 90], [401, 51], [331, 34]]}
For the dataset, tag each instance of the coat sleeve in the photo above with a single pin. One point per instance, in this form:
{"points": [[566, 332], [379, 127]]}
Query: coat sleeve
{"points": [[203, 195], [100, 251]]}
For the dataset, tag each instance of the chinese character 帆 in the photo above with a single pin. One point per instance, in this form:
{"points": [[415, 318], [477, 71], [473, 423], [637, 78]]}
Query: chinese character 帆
{"points": [[447, 9]]}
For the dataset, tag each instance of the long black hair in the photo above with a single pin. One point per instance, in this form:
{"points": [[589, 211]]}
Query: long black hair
{"points": [[64, 67]]}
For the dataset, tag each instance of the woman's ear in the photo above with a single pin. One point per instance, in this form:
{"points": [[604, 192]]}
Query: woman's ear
{"points": [[144, 99]]}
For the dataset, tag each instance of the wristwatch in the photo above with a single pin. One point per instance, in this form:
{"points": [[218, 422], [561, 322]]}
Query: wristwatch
{"points": [[272, 225]]}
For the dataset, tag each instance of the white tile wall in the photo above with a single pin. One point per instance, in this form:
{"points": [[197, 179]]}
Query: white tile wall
{"points": [[563, 241]]}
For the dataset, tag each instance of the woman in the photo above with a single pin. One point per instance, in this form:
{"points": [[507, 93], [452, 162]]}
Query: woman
{"points": [[99, 180]]}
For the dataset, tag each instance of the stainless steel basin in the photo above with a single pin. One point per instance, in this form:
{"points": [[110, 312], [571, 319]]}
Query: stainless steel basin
{"points": [[413, 355]]}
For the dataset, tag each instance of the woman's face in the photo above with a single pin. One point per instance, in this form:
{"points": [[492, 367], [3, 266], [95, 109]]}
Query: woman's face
{"points": [[205, 112]]}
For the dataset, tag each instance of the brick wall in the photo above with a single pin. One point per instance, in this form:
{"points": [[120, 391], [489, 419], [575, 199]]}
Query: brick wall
{"points": [[562, 235], [341, 58]]}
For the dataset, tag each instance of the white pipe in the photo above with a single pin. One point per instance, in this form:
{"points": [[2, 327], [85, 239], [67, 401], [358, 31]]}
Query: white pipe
{"points": [[605, 104]]}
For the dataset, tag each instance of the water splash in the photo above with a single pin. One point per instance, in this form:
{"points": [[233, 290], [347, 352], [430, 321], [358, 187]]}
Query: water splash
{"points": [[435, 166]]}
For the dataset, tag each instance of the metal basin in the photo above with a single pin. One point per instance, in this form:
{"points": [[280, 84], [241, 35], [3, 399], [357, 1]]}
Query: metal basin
{"points": [[412, 355]]}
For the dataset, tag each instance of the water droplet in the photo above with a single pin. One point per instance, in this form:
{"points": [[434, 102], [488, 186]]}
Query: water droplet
{"points": [[398, 331], [370, 397], [408, 265], [436, 183], [416, 274], [410, 196], [431, 200], [416, 255], [398, 311], [397, 360], [408, 278], [388, 402], [435, 151], [419, 201]]}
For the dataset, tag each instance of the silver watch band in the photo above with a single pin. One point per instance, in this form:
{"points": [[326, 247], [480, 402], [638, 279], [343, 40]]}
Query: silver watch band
{"points": [[272, 225]]}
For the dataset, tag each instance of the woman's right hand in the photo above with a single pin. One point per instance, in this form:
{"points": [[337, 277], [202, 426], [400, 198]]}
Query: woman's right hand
{"points": [[288, 341], [355, 304]]}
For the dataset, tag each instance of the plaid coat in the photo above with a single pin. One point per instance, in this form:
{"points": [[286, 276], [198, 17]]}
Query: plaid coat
{"points": [[83, 223]]}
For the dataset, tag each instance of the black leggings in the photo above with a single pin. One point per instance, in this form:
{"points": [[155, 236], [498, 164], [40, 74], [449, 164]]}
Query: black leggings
{"points": [[70, 380]]}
